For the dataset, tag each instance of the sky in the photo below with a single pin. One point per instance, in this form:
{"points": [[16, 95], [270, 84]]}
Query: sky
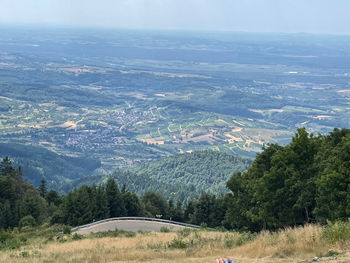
{"points": [[285, 16]]}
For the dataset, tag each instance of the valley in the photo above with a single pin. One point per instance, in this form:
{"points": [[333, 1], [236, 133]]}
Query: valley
{"points": [[126, 98]]}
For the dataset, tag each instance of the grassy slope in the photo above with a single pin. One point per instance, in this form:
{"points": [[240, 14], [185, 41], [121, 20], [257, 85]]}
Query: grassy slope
{"points": [[289, 245]]}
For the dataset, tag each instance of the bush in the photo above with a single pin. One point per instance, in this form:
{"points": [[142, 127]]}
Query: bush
{"points": [[129, 234], [229, 241], [4, 236], [177, 243], [332, 253], [337, 232], [204, 226], [66, 230], [237, 239], [164, 229], [77, 236], [185, 232], [24, 254], [115, 233], [27, 221], [12, 243]]}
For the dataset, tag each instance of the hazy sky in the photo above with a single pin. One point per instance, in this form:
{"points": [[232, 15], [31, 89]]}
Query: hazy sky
{"points": [[312, 16]]}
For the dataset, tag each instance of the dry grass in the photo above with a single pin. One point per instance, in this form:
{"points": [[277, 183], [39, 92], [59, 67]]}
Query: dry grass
{"points": [[289, 245]]}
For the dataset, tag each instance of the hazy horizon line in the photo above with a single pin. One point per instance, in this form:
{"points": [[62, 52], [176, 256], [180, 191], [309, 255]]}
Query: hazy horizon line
{"points": [[112, 28]]}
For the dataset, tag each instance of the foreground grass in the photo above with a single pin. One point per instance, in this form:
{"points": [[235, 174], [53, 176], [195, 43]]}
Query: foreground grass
{"points": [[289, 245]]}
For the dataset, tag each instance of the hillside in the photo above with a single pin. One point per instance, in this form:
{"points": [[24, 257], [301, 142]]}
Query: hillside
{"points": [[206, 171], [38, 163], [140, 184], [181, 177], [289, 245]]}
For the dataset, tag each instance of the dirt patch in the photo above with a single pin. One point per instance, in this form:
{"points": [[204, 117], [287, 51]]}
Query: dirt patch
{"points": [[232, 138], [69, 125], [322, 117], [237, 129], [152, 141]]}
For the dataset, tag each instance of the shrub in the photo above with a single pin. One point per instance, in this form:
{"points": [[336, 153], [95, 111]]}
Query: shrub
{"points": [[115, 233], [204, 226], [4, 235], [66, 230], [177, 243], [27, 221], [164, 229], [24, 254], [238, 239], [337, 232], [130, 234], [185, 232], [229, 241], [332, 253], [77, 236]]}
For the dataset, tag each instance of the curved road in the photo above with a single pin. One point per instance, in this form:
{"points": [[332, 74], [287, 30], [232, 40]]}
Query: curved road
{"points": [[133, 225]]}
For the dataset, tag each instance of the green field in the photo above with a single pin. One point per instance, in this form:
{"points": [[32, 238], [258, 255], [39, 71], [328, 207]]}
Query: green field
{"points": [[123, 105]]}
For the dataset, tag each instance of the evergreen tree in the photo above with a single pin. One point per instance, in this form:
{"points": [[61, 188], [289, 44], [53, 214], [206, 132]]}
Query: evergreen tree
{"points": [[53, 197], [115, 201], [68, 211], [205, 211], [83, 204], [178, 214], [155, 205], [132, 204], [189, 210], [6, 216], [6, 168], [33, 204], [42, 188], [101, 204]]}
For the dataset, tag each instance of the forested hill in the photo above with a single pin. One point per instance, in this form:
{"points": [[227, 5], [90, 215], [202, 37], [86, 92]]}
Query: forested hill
{"points": [[38, 163], [202, 170], [179, 177], [140, 184]]}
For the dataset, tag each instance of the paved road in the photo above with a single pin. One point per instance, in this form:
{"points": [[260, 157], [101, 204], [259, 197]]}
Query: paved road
{"points": [[128, 225]]}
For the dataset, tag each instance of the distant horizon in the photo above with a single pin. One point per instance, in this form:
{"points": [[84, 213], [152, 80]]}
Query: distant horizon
{"points": [[268, 16], [37, 26]]}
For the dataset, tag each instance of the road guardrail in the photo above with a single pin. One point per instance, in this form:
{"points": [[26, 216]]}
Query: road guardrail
{"points": [[135, 218]]}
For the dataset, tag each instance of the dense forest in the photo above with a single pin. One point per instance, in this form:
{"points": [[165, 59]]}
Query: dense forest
{"points": [[202, 170], [56, 169], [305, 181], [182, 177]]}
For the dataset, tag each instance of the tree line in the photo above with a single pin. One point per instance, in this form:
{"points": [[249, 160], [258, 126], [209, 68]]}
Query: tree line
{"points": [[306, 181]]}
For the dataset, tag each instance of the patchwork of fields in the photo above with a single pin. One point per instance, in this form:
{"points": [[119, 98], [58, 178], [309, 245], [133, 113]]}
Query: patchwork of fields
{"points": [[126, 98]]}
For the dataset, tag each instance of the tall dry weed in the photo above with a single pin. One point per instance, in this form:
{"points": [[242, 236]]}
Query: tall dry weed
{"points": [[288, 245]]}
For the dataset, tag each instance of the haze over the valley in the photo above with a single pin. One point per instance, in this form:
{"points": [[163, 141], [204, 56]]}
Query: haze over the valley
{"points": [[288, 16]]}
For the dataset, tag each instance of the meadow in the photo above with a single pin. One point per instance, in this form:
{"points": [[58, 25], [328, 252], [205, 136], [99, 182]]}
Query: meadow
{"points": [[299, 244]]}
